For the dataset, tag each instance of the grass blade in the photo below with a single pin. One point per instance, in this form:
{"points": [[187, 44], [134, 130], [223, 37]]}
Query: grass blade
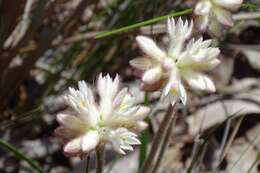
{"points": [[257, 160], [140, 24], [6, 146]]}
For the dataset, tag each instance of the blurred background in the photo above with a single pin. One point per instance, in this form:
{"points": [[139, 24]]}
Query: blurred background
{"points": [[48, 45]]}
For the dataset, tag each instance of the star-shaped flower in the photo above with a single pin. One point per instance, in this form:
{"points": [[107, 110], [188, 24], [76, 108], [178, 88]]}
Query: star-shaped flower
{"points": [[182, 62], [115, 120]]}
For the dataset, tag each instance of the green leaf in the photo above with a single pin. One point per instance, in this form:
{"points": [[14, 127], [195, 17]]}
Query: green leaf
{"points": [[8, 147], [140, 24]]}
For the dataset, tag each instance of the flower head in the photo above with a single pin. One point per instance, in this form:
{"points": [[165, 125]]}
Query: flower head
{"points": [[115, 120], [211, 13], [183, 62]]}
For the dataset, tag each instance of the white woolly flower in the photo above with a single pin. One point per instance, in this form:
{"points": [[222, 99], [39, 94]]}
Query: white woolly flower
{"points": [[114, 120], [183, 61], [212, 13]]}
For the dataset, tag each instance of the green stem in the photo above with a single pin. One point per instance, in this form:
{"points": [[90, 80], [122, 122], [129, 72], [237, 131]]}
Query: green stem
{"points": [[99, 160], [140, 24], [6, 146]]}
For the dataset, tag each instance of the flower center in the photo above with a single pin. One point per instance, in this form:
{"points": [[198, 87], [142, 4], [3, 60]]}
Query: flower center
{"points": [[82, 104], [173, 91]]}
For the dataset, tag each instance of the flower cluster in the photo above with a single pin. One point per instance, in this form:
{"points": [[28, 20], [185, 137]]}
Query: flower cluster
{"points": [[115, 120], [212, 13], [181, 62]]}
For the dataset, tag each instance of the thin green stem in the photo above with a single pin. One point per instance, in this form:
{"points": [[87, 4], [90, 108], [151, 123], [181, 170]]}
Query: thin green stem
{"points": [[99, 159], [34, 166], [140, 24]]}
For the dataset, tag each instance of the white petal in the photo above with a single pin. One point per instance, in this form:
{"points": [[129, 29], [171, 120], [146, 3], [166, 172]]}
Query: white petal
{"points": [[100, 84], [72, 147], [183, 31], [142, 113], [120, 97], [150, 48], [183, 94], [171, 27], [213, 53], [141, 126], [142, 63], [203, 8], [71, 122], [153, 75], [224, 16], [200, 82], [107, 89], [90, 141], [173, 81], [66, 133], [168, 64], [229, 4], [116, 147], [213, 63], [127, 147]]}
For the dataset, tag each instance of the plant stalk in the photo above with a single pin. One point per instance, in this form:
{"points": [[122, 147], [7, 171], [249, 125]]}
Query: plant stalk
{"points": [[87, 164], [99, 160], [165, 143], [158, 139]]}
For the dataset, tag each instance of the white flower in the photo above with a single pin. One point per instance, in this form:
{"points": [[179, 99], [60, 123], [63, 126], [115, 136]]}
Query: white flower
{"points": [[211, 13], [182, 62], [115, 120]]}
